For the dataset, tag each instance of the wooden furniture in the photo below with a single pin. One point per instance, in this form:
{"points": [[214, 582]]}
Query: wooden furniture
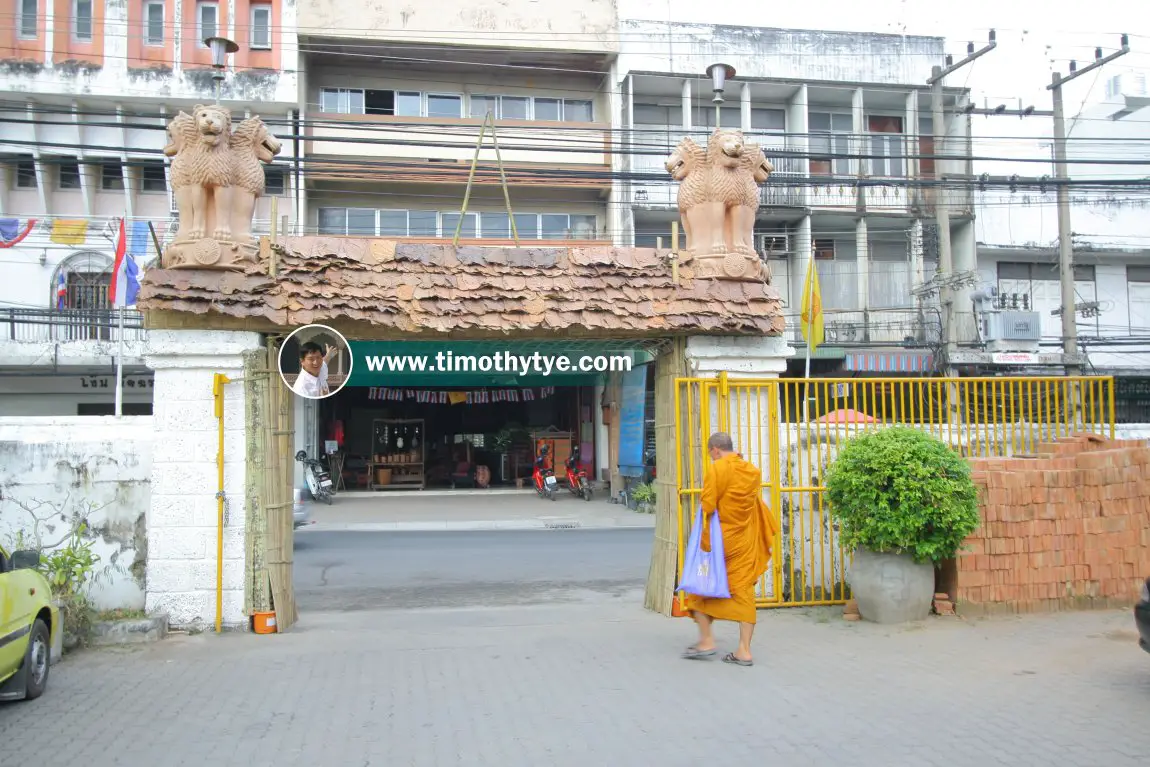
{"points": [[398, 453]]}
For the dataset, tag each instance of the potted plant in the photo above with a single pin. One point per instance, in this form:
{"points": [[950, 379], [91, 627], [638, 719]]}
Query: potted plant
{"points": [[644, 496], [904, 502]]}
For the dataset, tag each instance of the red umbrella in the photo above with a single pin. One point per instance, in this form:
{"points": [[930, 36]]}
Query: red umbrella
{"points": [[846, 416]]}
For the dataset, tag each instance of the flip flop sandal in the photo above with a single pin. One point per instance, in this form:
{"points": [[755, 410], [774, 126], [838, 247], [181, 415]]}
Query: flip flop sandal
{"points": [[730, 658], [693, 653]]}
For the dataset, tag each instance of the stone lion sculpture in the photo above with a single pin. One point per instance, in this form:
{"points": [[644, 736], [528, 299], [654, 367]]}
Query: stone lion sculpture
{"points": [[216, 178], [718, 200]]}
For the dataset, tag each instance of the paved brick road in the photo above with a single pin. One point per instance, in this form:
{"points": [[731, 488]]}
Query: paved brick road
{"points": [[599, 683]]}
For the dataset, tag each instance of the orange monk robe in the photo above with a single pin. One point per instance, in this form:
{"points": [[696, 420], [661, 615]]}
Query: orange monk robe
{"points": [[733, 486]]}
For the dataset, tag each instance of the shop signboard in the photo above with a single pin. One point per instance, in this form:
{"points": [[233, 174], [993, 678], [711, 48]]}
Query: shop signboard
{"points": [[632, 422], [470, 364]]}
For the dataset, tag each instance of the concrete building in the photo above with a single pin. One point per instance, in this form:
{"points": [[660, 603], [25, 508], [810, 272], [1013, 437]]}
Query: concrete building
{"points": [[86, 90], [844, 130], [1018, 234]]}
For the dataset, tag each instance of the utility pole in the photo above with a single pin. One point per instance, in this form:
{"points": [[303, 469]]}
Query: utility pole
{"points": [[1071, 361], [941, 210]]}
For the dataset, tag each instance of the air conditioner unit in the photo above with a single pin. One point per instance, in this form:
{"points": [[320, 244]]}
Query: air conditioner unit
{"points": [[774, 245], [1011, 331]]}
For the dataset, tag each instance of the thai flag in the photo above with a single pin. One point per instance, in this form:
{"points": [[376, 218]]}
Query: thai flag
{"points": [[125, 283], [61, 291]]}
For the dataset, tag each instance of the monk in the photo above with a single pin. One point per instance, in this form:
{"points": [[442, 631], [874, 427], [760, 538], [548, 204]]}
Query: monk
{"points": [[734, 487]]}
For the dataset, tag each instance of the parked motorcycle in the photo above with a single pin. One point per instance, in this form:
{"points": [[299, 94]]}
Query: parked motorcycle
{"points": [[577, 481], [544, 479], [318, 479]]}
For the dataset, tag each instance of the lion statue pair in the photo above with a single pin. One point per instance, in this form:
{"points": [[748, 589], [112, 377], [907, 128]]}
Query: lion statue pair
{"points": [[216, 178], [718, 201]]}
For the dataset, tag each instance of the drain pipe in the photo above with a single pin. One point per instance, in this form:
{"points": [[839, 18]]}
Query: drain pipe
{"points": [[218, 382]]}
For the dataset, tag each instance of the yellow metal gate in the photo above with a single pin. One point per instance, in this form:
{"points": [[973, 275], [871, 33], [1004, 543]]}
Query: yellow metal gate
{"points": [[792, 430]]}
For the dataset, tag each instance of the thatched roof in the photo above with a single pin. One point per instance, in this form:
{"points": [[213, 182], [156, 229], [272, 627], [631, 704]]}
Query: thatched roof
{"points": [[422, 290]]}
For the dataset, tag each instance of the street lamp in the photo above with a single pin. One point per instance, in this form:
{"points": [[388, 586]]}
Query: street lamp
{"points": [[719, 74], [221, 47]]}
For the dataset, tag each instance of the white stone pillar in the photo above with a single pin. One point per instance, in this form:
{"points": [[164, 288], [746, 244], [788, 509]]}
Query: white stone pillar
{"points": [[686, 105], [917, 267], [182, 520], [803, 252], [745, 107], [751, 363], [862, 262], [602, 435], [858, 165]]}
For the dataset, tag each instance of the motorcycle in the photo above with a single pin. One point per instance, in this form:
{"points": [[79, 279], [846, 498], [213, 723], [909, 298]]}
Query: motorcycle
{"points": [[577, 481], [545, 482], [318, 479]]}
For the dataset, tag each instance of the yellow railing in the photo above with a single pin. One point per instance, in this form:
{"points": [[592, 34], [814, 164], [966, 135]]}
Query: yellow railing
{"points": [[792, 429]]}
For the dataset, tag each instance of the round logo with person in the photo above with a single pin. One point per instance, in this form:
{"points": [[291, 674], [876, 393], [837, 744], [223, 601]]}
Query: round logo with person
{"points": [[315, 361]]}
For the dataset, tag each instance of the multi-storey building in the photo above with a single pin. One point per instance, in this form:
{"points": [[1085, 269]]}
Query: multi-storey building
{"points": [[849, 132], [86, 90], [394, 116], [1018, 253]]}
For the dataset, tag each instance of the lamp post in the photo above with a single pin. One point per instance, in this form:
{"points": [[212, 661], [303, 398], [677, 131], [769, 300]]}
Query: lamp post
{"points": [[221, 47], [719, 74]]}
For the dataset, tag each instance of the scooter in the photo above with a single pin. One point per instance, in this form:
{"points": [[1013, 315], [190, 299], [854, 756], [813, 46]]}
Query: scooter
{"points": [[318, 479], [545, 482], [577, 481]]}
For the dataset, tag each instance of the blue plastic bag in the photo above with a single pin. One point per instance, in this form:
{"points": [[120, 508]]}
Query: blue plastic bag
{"points": [[705, 572]]}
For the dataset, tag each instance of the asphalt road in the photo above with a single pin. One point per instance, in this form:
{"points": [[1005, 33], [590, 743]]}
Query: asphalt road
{"points": [[407, 570]]}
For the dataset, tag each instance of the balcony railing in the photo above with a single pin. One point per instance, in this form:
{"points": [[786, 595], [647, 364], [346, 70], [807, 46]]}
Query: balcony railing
{"points": [[46, 325], [868, 327]]}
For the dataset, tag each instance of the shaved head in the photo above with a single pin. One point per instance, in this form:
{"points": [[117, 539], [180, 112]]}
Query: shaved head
{"points": [[720, 440]]}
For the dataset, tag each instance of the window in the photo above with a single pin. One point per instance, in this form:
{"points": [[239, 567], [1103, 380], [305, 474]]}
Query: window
{"points": [[548, 110], [514, 107], [469, 229], [926, 147], [774, 120], [481, 105], [393, 223], [442, 105], [1138, 295], [207, 21], [82, 20], [578, 111], [830, 143], [29, 21], [356, 222], [153, 23], [886, 144], [26, 174], [275, 179], [261, 36], [653, 114], [497, 226], [341, 100], [111, 176], [152, 177], [824, 250], [527, 226], [69, 174], [408, 104]]}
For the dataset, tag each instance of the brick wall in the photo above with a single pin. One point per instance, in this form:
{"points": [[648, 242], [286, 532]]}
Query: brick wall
{"points": [[1066, 528]]}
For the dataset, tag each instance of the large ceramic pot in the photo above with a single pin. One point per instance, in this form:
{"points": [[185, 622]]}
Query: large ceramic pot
{"points": [[890, 588]]}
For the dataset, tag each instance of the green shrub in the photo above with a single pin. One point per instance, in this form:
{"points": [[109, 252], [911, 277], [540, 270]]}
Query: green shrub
{"points": [[899, 490]]}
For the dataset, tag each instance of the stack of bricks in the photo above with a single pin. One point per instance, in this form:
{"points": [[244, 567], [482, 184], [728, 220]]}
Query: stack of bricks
{"points": [[1067, 528]]}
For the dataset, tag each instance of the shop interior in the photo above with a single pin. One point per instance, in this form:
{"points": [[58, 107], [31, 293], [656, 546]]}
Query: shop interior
{"points": [[440, 438]]}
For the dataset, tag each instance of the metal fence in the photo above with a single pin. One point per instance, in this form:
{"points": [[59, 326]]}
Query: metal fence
{"points": [[792, 430], [39, 325]]}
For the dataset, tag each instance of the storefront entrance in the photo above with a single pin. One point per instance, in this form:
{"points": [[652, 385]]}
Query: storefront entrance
{"points": [[400, 438]]}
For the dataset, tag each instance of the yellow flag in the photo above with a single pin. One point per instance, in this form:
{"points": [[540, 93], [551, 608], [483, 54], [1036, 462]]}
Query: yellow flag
{"points": [[812, 308], [73, 231]]}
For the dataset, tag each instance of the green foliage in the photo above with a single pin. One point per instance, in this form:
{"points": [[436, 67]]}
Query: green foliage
{"points": [[899, 490], [644, 493], [70, 569]]}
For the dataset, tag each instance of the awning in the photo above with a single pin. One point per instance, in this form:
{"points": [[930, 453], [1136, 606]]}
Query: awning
{"points": [[889, 362], [502, 363]]}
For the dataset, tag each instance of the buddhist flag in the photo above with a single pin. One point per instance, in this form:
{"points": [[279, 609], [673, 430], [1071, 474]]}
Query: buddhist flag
{"points": [[812, 308]]}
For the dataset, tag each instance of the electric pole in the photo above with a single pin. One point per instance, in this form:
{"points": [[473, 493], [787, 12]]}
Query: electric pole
{"points": [[1071, 362], [941, 210]]}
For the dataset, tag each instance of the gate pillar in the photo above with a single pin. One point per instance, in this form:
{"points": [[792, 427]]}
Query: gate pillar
{"points": [[182, 520]]}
